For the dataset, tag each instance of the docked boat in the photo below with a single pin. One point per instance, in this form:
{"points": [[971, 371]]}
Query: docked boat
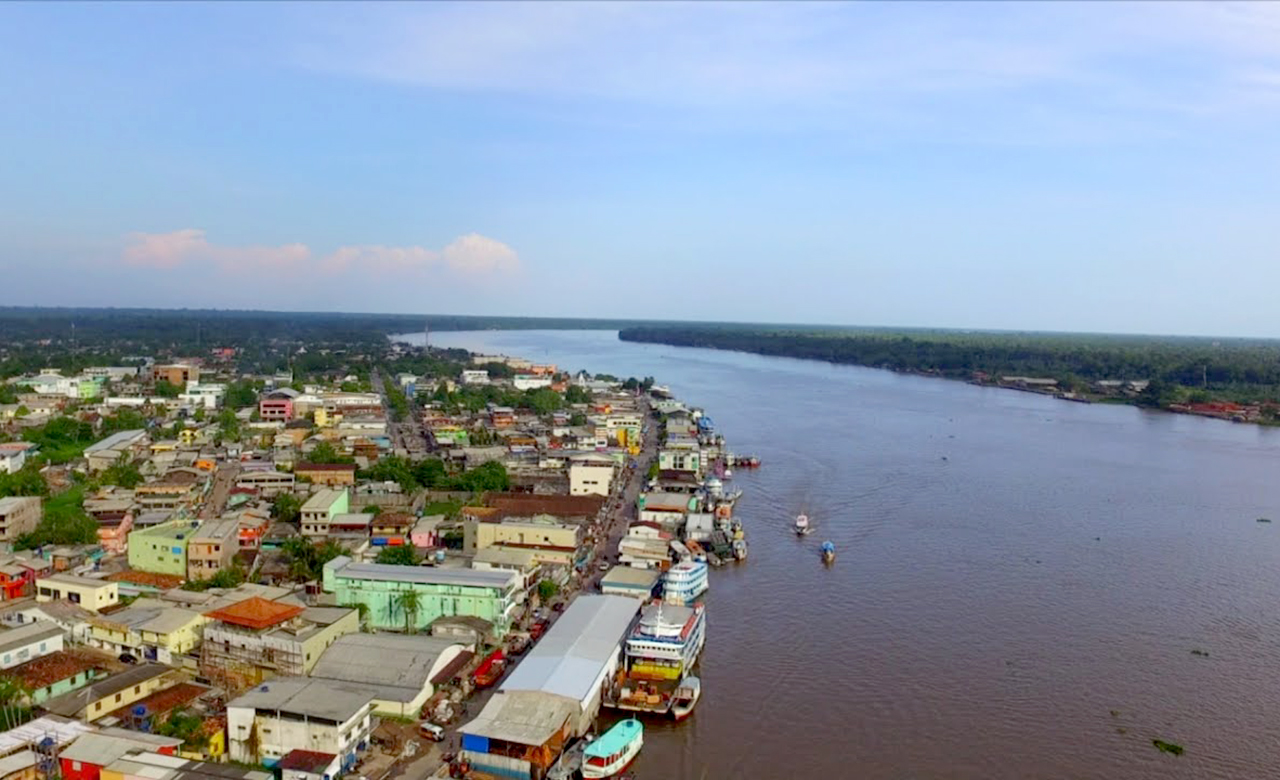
{"points": [[802, 525], [828, 552], [660, 652], [696, 551], [686, 697], [714, 487], [740, 549], [614, 750], [684, 582]]}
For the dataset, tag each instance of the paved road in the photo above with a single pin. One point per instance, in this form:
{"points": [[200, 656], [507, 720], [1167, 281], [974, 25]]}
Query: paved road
{"points": [[623, 499], [223, 480]]}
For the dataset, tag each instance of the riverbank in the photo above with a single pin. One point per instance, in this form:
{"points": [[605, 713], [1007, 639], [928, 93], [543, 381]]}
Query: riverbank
{"points": [[1229, 383]]}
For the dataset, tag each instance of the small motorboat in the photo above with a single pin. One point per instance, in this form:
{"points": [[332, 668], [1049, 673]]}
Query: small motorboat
{"points": [[614, 750], [802, 525], [740, 549], [686, 696], [828, 552]]}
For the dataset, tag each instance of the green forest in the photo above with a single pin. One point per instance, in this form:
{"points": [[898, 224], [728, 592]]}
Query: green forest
{"points": [[1230, 369]]}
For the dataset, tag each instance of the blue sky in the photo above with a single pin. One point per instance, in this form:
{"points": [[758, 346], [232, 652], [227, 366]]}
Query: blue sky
{"points": [[1087, 166]]}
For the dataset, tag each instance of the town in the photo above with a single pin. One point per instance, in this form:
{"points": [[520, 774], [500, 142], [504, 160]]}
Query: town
{"points": [[350, 568]]}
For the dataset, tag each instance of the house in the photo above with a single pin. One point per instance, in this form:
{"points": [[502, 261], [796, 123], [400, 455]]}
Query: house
{"points": [[178, 374], [212, 548], [401, 671], [73, 620], [287, 714], [351, 528], [102, 697], [665, 509], [522, 562], [519, 734], [20, 766], [19, 645], [491, 595], [148, 629], [156, 766], [85, 758], [161, 549], [689, 460], [425, 533], [477, 376], [630, 581], [18, 515], [321, 508], [90, 594], [61, 672], [180, 487], [277, 406], [255, 639], [330, 474], [13, 456], [122, 446], [531, 381], [152, 711], [309, 765], [391, 529], [268, 482], [590, 480]]}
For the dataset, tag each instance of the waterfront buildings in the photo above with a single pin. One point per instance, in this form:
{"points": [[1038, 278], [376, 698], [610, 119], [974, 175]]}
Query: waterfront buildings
{"points": [[490, 595], [401, 671]]}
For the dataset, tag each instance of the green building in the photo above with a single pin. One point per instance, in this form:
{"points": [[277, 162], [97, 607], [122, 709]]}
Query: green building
{"points": [[57, 673], [489, 594], [161, 549]]}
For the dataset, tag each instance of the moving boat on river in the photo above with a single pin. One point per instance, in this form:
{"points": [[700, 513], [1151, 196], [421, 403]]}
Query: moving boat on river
{"points": [[614, 750], [802, 525]]}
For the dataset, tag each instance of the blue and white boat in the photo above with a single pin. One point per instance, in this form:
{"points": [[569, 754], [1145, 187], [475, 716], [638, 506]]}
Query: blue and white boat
{"points": [[685, 582], [614, 750], [828, 552]]}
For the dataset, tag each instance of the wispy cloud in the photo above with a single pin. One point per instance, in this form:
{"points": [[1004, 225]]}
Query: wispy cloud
{"points": [[469, 255]]}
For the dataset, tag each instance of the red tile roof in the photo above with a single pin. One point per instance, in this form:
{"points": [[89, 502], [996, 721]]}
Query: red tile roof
{"points": [[255, 612], [64, 664], [162, 702], [306, 761], [161, 581]]}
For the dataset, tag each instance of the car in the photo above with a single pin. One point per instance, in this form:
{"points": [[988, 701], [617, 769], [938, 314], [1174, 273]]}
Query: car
{"points": [[126, 658], [558, 606], [539, 629], [603, 565], [431, 731]]}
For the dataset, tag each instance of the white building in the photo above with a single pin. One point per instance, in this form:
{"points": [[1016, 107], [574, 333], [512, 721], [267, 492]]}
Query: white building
{"points": [[207, 396], [112, 373], [475, 377], [531, 381], [19, 645], [13, 456], [296, 713], [587, 480]]}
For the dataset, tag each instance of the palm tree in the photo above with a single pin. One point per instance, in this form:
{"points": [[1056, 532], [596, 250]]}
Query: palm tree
{"points": [[362, 609], [409, 602], [13, 703]]}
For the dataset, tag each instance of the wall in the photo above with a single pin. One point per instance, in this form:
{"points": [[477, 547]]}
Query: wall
{"points": [[91, 597], [277, 735], [382, 599], [590, 480], [21, 515], [33, 649], [157, 550]]}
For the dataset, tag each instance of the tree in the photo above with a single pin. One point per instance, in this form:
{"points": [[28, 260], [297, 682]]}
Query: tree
{"points": [[26, 481], [544, 400], [430, 473], [1158, 394], [372, 509], [547, 590], [286, 507], [228, 425], [362, 609], [307, 560], [486, 476], [13, 703], [404, 555], [324, 452], [122, 474], [409, 602], [577, 419], [577, 395], [166, 389], [240, 394]]}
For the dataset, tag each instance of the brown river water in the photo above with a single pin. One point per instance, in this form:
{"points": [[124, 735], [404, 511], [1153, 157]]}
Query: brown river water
{"points": [[1020, 581]]}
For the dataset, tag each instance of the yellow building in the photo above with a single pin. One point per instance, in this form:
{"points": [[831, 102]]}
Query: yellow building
{"points": [[188, 436], [148, 628], [103, 697], [549, 541], [86, 593]]}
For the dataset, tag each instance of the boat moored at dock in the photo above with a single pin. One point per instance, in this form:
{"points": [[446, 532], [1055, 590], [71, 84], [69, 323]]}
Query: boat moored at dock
{"points": [[660, 652], [686, 697], [614, 750], [684, 583]]}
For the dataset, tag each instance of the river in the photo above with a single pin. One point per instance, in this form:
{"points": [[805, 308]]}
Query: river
{"points": [[1020, 585]]}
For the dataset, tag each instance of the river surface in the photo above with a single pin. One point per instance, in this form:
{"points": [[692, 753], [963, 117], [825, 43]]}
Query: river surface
{"points": [[1020, 584]]}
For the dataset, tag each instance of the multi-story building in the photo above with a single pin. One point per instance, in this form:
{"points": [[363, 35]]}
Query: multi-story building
{"points": [[550, 542], [148, 629], [290, 714], [87, 593], [331, 474], [489, 595], [204, 395], [18, 515], [277, 406], [161, 549], [182, 487], [176, 374], [255, 639], [585, 480], [212, 547], [321, 508], [268, 483], [689, 460]]}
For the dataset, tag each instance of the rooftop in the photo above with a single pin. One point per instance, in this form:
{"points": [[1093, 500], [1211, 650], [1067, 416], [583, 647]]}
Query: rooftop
{"points": [[425, 575], [164, 701], [116, 440], [306, 761], [25, 635], [71, 579], [60, 730], [322, 500], [522, 717], [392, 666], [147, 614], [628, 576], [320, 699], [568, 660], [256, 613], [48, 669], [72, 704], [221, 529]]}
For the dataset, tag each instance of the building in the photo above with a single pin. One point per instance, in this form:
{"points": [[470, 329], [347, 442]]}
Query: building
{"points": [[269, 483], [522, 562], [102, 697], [73, 620], [148, 629], [256, 639], [20, 766], [180, 487], [309, 765], [687, 460], [203, 396], [425, 533], [579, 655], [61, 672], [161, 549], [351, 528], [630, 581], [85, 592], [391, 529], [122, 446], [401, 671], [321, 508], [138, 765], [590, 480], [212, 548], [531, 381], [13, 456], [520, 734], [287, 714], [85, 758], [331, 474], [19, 645], [475, 377], [59, 732], [178, 374], [277, 406], [111, 373], [18, 515], [552, 543], [489, 595]]}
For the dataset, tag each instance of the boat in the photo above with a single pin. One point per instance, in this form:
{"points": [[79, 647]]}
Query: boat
{"points": [[740, 549], [828, 552], [686, 697], [696, 551], [684, 583], [802, 525], [714, 487], [614, 750], [728, 473], [659, 652]]}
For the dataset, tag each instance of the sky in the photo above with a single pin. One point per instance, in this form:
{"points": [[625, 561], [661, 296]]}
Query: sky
{"points": [[1039, 166]]}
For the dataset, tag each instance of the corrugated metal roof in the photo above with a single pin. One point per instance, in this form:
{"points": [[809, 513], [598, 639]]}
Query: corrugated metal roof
{"points": [[385, 661], [322, 699], [522, 717], [427, 575], [25, 635], [569, 659]]}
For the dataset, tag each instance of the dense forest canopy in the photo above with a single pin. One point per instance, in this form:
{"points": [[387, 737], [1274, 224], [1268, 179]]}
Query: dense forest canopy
{"points": [[1238, 368]]}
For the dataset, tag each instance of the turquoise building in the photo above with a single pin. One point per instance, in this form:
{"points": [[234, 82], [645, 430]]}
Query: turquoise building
{"points": [[489, 594]]}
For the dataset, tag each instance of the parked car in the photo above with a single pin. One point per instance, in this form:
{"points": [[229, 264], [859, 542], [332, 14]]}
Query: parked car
{"points": [[539, 628], [558, 606], [431, 731]]}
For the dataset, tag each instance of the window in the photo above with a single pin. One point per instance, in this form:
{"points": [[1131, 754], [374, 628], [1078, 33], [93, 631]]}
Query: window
{"points": [[97, 705], [137, 689], [75, 765], [117, 697], [43, 648]]}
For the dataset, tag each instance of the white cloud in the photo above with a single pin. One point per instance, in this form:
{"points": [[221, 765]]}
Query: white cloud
{"points": [[469, 255]]}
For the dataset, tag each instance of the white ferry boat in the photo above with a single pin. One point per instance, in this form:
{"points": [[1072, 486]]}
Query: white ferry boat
{"points": [[684, 583], [660, 652]]}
